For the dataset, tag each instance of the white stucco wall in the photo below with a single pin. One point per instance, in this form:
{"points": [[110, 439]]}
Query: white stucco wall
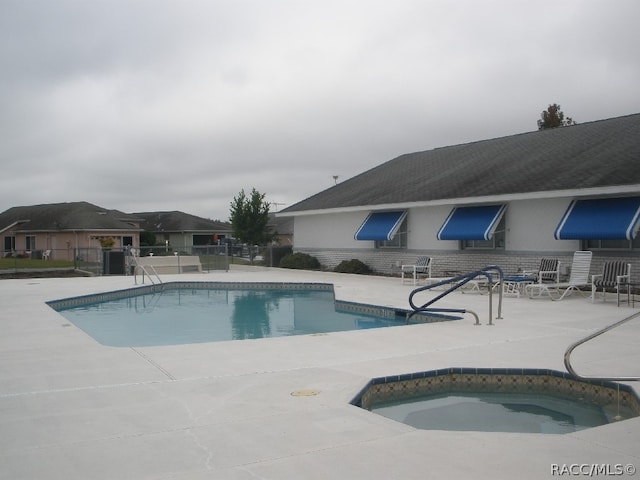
{"points": [[330, 231], [424, 224], [530, 225]]}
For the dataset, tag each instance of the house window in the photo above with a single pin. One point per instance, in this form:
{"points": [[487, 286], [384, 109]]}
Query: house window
{"points": [[619, 245], [30, 242], [496, 242], [9, 243], [387, 229], [399, 240], [200, 240], [479, 227]]}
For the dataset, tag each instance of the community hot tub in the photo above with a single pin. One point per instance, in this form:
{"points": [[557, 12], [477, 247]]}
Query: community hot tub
{"points": [[499, 400]]}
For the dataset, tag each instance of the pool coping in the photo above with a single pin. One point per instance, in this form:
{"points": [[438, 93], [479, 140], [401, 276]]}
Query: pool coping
{"points": [[513, 380], [341, 305]]}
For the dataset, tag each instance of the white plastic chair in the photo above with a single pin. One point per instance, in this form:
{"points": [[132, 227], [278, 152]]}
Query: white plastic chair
{"points": [[579, 278], [421, 267]]}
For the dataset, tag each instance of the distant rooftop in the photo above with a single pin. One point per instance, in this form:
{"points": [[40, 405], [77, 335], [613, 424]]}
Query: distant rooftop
{"points": [[177, 221]]}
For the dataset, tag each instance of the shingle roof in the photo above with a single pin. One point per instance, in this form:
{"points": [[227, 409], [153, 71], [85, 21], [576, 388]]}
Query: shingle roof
{"points": [[66, 216], [179, 222], [603, 153]]}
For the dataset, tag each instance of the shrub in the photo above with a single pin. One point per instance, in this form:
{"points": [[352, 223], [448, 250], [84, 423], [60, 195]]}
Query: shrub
{"points": [[353, 266], [301, 261], [273, 255]]}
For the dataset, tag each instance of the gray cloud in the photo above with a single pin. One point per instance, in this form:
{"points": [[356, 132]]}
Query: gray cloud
{"points": [[163, 105]]}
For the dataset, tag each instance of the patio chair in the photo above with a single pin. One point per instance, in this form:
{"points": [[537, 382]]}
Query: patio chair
{"points": [[421, 267], [613, 273], [46, 255], [579, 278], [548, 272]]}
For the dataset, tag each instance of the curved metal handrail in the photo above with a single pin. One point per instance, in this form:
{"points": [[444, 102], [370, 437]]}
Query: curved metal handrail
{"points": [[459, 282], [572, 347]]}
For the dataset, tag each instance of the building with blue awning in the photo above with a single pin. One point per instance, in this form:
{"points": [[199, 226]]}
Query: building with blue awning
{"points": [[507, 201]]}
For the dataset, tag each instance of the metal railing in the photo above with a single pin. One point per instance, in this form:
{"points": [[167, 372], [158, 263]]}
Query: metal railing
{"points": [[572, 347], [459, 282], [149, 270]]}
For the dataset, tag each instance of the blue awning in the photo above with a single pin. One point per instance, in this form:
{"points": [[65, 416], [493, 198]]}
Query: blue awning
{"points": [[600, 219], [380, 225], [471, 223]]}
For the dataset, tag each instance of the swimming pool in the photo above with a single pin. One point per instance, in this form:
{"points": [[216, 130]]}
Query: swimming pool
{"points": [[197, 312], [498, 400]]}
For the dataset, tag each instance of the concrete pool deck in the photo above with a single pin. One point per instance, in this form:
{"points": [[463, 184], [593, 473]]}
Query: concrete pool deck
{"points": [[71, 408]]}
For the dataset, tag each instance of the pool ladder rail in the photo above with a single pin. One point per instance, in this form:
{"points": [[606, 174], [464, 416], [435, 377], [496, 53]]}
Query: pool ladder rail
{"points": [[572, 347], [149, 270], [457, 283]]}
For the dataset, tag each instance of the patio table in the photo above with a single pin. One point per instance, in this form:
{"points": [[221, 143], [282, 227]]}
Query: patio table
{"points": [[515, 284]]}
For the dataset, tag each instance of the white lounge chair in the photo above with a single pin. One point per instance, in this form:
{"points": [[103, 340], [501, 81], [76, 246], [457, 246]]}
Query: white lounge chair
{"points": [[579, 278], [613, 273], [421, 267]]}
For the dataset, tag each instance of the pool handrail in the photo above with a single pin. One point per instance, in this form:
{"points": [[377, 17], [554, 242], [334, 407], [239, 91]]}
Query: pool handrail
{"points": [[459, 281], [144, 270], [573, 346]]}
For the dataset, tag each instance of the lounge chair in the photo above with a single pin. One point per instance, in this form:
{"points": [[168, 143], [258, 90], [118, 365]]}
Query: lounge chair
{"points": [[613, 273], [421, 267], [579, 278]]}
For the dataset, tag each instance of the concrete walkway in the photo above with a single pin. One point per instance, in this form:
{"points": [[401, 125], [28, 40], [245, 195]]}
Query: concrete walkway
{"points": [[71, 408]]}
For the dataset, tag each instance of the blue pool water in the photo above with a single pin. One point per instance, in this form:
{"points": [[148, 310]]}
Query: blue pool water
{"points": [[181, 316], [495, 412]]}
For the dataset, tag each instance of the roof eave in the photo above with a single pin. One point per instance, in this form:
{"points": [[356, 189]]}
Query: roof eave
{"points": [[509, 197]]}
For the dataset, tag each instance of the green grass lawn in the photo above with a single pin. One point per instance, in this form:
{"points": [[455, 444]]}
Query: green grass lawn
{"points": [[11, 263]]}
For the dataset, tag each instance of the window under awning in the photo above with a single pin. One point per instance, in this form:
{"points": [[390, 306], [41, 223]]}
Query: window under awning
{"points": [[380, 225], [471, 223], [600, 219]]}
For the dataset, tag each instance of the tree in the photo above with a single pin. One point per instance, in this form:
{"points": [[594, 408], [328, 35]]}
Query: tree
{"points": [[553, 117], [249, 217]]}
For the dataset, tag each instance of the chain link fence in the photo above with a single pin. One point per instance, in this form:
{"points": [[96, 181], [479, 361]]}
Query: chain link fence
{"points": [[96, 261]]}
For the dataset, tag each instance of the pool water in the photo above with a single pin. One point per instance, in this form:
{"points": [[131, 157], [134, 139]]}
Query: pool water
{"points": [[181, 316], [495, 412]]}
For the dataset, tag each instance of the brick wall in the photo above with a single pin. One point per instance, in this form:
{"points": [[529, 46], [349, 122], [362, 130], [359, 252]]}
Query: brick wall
{"points": [[387, 262]]}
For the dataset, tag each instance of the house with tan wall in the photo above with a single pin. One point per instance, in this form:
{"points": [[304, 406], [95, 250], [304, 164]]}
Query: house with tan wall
{"points": [[61, 230]]}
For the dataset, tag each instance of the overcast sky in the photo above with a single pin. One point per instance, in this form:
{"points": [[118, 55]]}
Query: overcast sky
{"points": [[180, 104]]}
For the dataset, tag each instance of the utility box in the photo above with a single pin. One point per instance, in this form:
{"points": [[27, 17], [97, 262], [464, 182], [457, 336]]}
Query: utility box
{"points": [[113, 262]]}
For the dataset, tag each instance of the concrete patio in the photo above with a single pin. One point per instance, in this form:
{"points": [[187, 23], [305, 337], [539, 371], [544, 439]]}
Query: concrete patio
{"points": [[71, 408]]}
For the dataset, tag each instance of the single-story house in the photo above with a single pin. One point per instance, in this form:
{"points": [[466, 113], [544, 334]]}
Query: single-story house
{"points": [[182, 231], [507, 201], [61, 230]]}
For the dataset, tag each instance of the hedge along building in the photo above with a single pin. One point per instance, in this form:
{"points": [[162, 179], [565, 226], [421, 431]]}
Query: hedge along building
{"points": [[507, 201]]}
